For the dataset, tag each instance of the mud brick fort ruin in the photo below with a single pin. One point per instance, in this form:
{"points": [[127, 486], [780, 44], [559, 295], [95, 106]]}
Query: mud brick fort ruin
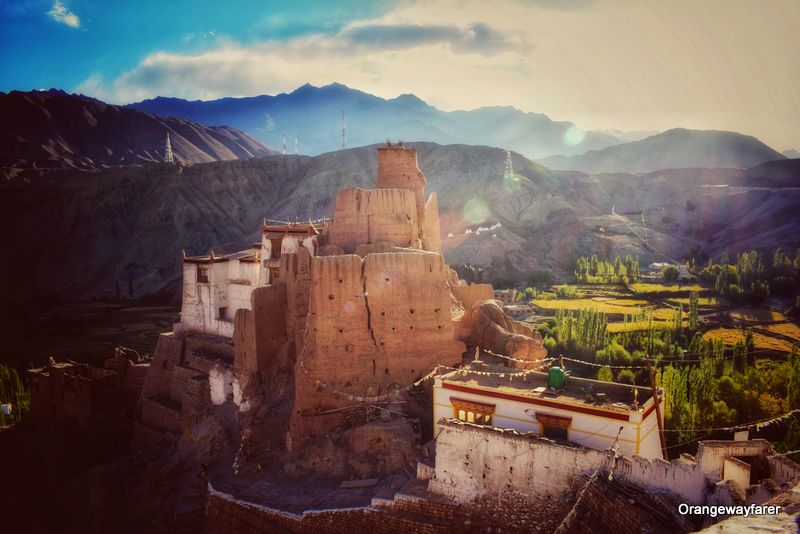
{"points": [[337, 376]]}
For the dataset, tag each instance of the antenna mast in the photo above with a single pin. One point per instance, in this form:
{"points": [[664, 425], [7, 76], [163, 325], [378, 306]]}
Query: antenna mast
{"points": [[295, 142], [344, 132], [168, 156], [284, 144]]}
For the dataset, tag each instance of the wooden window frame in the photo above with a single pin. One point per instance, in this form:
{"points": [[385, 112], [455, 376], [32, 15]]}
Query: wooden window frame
{"points": [[202, 273], [548, 420], [470, 411]]}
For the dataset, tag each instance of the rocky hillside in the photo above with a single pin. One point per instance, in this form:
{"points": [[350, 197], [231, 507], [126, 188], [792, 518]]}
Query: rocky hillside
{"points": [[51, 129], [674, 149], [84, 235], [315, 115]]}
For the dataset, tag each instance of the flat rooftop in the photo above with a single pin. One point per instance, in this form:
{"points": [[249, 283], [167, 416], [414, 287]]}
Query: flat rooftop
{"points": [[533, 384]]}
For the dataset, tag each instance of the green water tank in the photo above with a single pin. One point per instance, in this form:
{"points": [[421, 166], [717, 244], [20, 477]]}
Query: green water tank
{"points": [[556, 378]]}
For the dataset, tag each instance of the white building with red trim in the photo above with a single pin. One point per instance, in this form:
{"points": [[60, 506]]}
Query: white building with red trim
{"points": [[587, 412]]}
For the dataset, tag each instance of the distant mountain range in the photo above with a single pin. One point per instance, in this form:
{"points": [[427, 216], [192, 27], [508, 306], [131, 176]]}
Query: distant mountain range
{"points": [[673, 149], [51, 129], [315, 115]]}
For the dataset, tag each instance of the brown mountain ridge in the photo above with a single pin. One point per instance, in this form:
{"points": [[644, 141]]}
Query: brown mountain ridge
{"points": [[55, 130]]}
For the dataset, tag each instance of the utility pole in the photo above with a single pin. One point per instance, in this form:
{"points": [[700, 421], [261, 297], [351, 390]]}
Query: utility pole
{"points": [[284, 144], [295, 143], [657, 400]]}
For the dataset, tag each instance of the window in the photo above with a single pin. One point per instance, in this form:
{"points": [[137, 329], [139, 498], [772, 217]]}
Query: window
{"points": [[274, 274], [276, 247], [202, 274], [472, 411], [554, 426]]}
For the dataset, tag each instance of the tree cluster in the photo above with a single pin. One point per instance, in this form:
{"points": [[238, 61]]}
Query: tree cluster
{"points": [[12, 391], [751, 278], [595, 271]]}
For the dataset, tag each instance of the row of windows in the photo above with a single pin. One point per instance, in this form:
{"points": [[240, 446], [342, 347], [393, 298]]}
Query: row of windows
{"points": [[553, 427], [473, 417]]}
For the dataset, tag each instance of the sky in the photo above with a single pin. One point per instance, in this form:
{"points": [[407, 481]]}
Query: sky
{"points": [[635, 65]]}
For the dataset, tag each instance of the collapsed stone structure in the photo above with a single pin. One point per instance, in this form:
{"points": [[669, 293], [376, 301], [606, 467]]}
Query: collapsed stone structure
{"points": [[326, 318]]}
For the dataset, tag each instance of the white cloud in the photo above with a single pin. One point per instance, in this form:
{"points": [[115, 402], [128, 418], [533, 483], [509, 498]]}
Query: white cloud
{"points": [[631, 66], [60, 13]]}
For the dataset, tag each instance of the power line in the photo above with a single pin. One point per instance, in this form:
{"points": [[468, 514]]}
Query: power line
{"points": [[758, 424]]}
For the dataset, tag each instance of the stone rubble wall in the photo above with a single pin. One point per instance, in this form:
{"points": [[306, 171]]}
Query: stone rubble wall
{"points": [[474, 462], [226, 514]]}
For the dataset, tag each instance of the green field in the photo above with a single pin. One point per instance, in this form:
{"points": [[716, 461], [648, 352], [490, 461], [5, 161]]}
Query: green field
{"points": [[603, 306], [675, 289], [615, 328], [705, 302]]}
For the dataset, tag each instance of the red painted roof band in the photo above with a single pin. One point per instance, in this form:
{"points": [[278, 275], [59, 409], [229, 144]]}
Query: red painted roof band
{"points": [[540, 402]]}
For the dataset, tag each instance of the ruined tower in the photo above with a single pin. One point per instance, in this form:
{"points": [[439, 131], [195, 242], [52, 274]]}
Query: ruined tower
{"points": [[398, 169]]}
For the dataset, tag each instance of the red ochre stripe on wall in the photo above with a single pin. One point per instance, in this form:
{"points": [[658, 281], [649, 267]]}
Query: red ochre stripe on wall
{"points": [[540, 402]]}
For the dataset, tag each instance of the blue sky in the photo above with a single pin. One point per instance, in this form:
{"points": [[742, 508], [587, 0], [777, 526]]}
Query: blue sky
{"points": [[644, 65], [40, 49]]}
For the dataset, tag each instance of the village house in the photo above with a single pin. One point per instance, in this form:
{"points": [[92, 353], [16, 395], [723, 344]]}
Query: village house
{"points": [[284, 238], [506, 296], [590, 413], [216, 285]]}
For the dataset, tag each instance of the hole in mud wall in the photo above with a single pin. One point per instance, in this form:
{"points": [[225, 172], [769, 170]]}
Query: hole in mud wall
{"points": [[411, 311], [386, 371], [330, 297]]}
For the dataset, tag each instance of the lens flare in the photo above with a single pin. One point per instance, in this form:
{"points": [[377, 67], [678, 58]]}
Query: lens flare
{"points": [[573, 136], [476, 210]]}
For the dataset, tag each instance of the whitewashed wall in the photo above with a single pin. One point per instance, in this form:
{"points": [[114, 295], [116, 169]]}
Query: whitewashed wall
{"points": [[587, 430]]}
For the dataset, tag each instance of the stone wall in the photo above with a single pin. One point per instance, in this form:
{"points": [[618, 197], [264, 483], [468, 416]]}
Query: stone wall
{"points": [[177, 384], [363, 216], [226, 514], [474, 462], [615, 508]]}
